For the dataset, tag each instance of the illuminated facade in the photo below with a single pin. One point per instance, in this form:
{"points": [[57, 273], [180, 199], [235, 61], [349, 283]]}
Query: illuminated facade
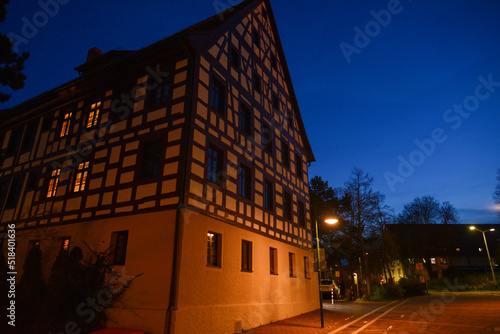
{"points": [[188, 159]]}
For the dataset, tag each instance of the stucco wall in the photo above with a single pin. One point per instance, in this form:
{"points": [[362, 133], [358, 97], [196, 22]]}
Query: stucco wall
{"points": [[214, 300], [149, 251]]}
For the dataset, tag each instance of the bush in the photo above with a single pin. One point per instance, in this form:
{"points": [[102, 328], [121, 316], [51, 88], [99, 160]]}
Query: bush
{"points": [[464, 282], [386, 291], [412, 287]]}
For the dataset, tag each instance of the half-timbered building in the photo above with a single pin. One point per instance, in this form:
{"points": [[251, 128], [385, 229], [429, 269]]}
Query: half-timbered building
{"points": [[188, 160]]}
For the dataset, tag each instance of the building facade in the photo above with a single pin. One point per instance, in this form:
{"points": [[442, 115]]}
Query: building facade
{"points": [[188, 160]]}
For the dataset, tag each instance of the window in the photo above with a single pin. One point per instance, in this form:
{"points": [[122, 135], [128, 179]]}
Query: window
{"points": [[66, 124], [53, 182], [433, 260], [246, 255], [214, 247], [307, 269], [291, 264], [267, 138], [15, 192], [287, 205], [160, 94], [264, 14], [256, 82], [46, 123], [14, 141], [217, 93], [301, 213], [29, 136], [118, 247], [94, 112], [65, 241], [255, 37], [245, 121], [32, 181], [235, 59], [151, 159], [274, 62], [298, 166], [442, 260], [245, 183], [215, 162], [3, 192], [285, 154], [80, 176], [273, 261], [275, 102], [268, 195]]}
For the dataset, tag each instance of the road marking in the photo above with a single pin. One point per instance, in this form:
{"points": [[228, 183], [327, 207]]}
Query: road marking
{"points": [[354, 321], [387, 330], [380, 316]]}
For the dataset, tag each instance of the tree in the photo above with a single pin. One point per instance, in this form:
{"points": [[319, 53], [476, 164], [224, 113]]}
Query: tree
{"points": [[496, 194], [363, 212], [448, 214], [427, 210], [11, 64]]}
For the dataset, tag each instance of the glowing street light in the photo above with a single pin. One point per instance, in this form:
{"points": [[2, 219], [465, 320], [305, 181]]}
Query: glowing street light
{"points": [[330, 221], [487, 250]]}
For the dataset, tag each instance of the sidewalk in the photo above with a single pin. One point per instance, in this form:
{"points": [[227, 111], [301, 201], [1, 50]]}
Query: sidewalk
{"points": [[335, 316]]}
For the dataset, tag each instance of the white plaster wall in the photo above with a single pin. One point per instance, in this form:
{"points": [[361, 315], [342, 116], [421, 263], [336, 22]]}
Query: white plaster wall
{"points": [[214, 300]]}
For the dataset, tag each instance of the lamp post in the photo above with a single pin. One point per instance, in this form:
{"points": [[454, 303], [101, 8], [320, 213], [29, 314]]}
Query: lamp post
{"points": [[487, 250], [328, 221]]}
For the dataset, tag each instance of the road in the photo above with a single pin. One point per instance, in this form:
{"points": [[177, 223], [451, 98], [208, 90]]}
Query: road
{"points": [[445, 313]]}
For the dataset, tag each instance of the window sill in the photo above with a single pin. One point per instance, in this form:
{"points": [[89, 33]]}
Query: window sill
{"points": [[246, 271], [215, 267]]}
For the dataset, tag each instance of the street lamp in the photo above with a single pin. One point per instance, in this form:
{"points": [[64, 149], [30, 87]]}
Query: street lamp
{"points": [[330, 221], [487, 250]]}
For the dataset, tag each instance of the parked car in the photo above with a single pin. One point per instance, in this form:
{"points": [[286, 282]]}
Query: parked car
{"points": [[327, 285]]}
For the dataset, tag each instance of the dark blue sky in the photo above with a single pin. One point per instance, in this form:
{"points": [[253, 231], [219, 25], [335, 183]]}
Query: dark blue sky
{"points": [[402, 82]]}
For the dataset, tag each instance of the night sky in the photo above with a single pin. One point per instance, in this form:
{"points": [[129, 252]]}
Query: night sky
{"points": [[370, 93]]}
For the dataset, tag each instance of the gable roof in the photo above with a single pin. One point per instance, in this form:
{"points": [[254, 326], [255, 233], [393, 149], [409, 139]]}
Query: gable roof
{"points": [[113, 60]]}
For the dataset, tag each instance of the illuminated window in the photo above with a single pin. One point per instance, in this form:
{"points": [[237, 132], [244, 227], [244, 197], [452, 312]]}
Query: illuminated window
{"points": [[93, 118], [66, 124], [433, 260], [273, 260], [214, 247], [480, 249], [217, 93], [268, 195], [53, 182], [245, 182], [291, 264], [287, 205], [443, 260], [246, 255], [458, 249], [65, 244], [307, 269], [118, 247], [80, 177]]}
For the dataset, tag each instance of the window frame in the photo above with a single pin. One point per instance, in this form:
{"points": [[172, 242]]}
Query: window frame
{"points": [[15, 192], [93, 114], [301, 213], [67, 117], [119, 258], [257, 82], [214, 249], [246, 256], [268, 195], [234, 59], [160, 95], [15, 141], [245, 120], [285, 154], [217, 96], [273, 261], [53, 182], [245, 181], [287, 206], [299, 168], [154, 171], [219, 165], [80, 173], [29, 138], [292, 272], [267, 143]]}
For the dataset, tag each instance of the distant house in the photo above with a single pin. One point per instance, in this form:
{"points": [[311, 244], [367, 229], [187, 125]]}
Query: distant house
{"points": [[438, 248], [188, 159]]}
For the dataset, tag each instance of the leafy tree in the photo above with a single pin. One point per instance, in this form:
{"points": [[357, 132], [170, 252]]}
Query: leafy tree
{"points": [[496, 194], [11, 64]]}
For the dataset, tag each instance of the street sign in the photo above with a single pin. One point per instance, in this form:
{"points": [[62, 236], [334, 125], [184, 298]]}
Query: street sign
{"points": [[337, 273]]}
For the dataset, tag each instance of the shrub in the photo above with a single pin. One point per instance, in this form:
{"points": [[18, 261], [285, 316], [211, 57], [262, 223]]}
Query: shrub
{"points": [[412, 287], [386, 291]]}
